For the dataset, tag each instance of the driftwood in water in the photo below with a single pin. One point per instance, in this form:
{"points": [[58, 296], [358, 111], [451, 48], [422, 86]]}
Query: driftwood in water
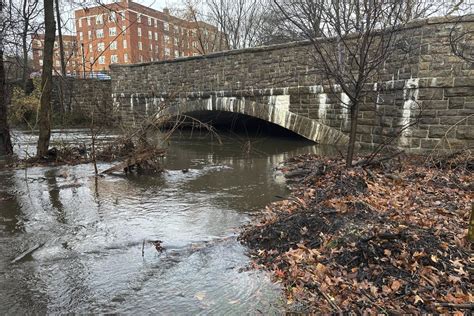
{"points": [[27, 252], [139, 161]]}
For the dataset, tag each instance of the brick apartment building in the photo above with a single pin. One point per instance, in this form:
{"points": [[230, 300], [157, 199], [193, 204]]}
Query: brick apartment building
{"points": [[70, 53], [125, 32]]}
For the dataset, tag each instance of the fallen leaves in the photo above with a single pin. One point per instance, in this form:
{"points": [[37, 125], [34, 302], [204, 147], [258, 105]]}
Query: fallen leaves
{"points": [[356, 240]]}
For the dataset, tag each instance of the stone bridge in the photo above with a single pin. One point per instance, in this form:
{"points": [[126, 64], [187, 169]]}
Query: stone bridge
{"points": [[283, 84]]}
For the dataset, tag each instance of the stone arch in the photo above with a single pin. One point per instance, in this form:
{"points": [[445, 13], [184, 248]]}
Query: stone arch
{"points": [[308, 128]]}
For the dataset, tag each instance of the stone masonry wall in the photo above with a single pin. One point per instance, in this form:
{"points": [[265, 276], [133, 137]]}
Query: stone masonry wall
{"points": [[83, 96], [427, 78]]}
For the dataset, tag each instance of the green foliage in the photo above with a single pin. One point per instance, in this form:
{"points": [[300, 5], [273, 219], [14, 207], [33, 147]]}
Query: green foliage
{"points": [[23, 108]]}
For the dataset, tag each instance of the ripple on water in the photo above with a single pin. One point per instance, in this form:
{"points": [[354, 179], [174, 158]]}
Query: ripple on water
{"points": [[93, 232]]}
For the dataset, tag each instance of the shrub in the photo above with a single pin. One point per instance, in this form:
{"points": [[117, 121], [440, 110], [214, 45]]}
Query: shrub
{"points": [[23, 108]]}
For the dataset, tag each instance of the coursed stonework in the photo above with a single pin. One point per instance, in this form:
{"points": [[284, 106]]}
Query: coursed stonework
{"points": [[425, 85]]}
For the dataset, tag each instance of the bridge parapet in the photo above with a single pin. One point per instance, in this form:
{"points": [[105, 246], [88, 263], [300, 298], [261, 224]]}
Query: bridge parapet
{"points": [[427, 78]]}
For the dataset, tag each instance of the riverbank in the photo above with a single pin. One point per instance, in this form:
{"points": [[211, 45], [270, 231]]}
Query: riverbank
{"points": [[391, 238]]}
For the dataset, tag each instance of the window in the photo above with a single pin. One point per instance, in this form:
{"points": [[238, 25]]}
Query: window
{"points": [[91, 60], [58, 63], [112, 17], [89, 34], [141, 58], [156, 22], [81, 37], [79, 22], [140, 47], [90, 47], [124, 43], [99, 19], [149, 21], [166, 26], [150, 35], [113, 45], [88, 21], [40, 53], [100, 47], [139, 31], [167, 52], [167, 39], [125, 58], [102, 60], [99, 33], [139, 18], [41, 62], [151, 47], [156, 36], [176, 54], [124, 29], [112, 31], [176, 41], [114, 59], [176, 30]]}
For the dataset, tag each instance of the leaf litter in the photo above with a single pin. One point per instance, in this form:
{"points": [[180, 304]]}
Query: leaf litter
{"points": [[384, 239]]}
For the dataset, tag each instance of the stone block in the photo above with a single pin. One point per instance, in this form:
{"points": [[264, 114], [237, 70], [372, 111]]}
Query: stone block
{"points": [[364, 129], [430, 94], [450, 112], [429, 143], [459, 91], [419, 133], [435, 104], [456, 103], [438, 131], [465, 82], [451, 120], [465, 132]]}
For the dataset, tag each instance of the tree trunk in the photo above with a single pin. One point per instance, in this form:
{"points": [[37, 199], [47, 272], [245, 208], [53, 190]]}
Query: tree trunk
{"points": [[62, 59], [60, 39], [44, 115], [353, 133], [24, 47], [6, 147]]}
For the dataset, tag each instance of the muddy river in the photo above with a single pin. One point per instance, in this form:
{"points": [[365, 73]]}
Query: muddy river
{"points": [[95, 253]]}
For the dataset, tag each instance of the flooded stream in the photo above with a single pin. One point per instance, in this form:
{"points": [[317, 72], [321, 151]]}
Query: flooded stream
{"points": [[92, 233]]}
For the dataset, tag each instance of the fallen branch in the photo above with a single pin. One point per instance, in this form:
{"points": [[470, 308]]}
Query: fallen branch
{"points": [[135, 160], [458, 306], [27, 252]]}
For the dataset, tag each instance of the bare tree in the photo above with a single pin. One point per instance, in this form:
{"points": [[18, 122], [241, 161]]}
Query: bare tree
{"points": [[461, 41], [240, 21], [44, 114], [355, 38], [5, 140], [60, 39], [29, 14]]}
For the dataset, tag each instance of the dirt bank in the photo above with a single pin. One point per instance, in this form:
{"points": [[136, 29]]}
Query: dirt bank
{"points": [[391, 238]]}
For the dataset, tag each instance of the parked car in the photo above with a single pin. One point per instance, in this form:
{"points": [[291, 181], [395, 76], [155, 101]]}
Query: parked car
{"points": [[99, 75]]}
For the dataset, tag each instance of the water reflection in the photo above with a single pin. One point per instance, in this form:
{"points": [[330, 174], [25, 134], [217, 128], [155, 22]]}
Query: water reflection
{"points": [[94, 228]]}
